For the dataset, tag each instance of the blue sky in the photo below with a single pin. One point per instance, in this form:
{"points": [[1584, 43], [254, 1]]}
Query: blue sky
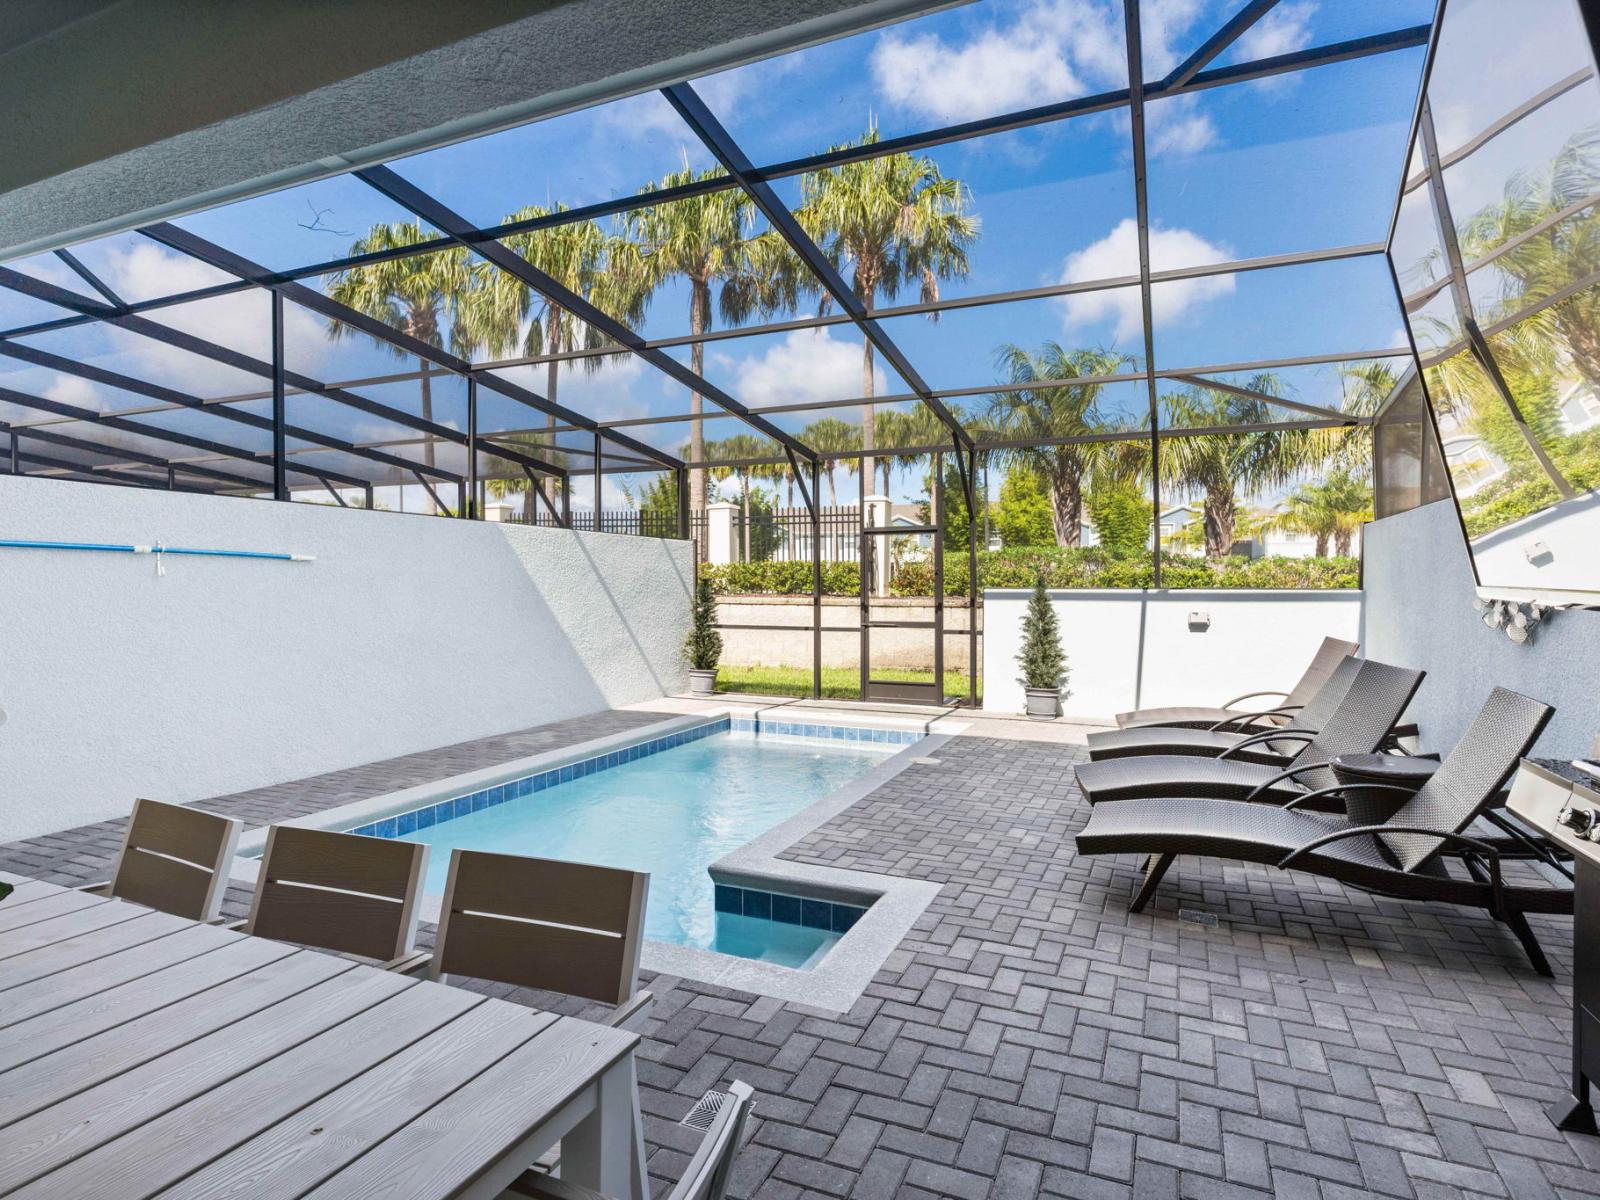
{"points": [[1302, 162]]}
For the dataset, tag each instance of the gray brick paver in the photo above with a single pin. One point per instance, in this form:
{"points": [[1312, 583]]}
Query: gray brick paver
{"points": [[1031, 1036]]}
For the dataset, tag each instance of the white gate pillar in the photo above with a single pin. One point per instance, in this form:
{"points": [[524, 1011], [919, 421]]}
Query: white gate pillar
{"points": [[719, 532]]}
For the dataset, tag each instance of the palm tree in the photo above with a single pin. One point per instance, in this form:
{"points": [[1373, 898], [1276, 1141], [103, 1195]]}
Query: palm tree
{"points": [[1553, 258], [1038, 413], [710, 241], [829, 435], [502, 315], [1331, 510], [893, 221], [735, 449], [916, 426], [419, 295], [1215, 465]]}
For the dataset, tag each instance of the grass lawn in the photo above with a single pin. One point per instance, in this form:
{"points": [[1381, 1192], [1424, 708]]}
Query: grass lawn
{"points": [[838, 683]]}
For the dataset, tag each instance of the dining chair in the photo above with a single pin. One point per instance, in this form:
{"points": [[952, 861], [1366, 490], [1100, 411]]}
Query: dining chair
{"points": [[706, 1176], [342, 892], [541, 923], [174, 859]]}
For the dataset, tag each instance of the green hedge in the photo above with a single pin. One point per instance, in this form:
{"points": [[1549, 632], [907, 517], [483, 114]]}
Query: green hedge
{"points": [[781, 578], [1062, 568]]}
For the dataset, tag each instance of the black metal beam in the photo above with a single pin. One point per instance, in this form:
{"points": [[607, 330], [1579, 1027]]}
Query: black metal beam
{"points": [[1315, 410], [156, 391], [90, 277], [1142, 217], [194, 246], [280, 411], [90, 416], [136, 456], [1217, 43], [201, 348], [716, 138], [414, 199]]}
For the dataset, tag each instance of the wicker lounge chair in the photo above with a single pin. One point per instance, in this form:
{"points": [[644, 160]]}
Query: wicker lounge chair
{"points": [[1400, 857], [1229, 733], [1322, 665], [1377, 695]]}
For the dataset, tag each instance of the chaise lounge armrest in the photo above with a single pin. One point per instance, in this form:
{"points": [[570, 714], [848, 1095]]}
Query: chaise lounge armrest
{"points": [[1242, 721], [1304, 735], [1497, 908], [1253, 695]]}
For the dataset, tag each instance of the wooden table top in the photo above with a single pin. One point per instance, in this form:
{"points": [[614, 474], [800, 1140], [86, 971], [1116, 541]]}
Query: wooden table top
{"points": [[143, 1054]]}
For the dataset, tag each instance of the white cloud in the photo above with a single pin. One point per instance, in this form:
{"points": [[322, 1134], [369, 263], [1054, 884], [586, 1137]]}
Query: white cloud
{"points": [[1173, 127], [1284, 29], [71, 389], [240, 322], [1111, 256], [806, 367], [1164, 27], [1054, 51]]}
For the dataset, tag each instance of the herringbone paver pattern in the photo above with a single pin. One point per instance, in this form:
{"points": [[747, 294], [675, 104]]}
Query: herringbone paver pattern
{"points": [[1255, 1034]]}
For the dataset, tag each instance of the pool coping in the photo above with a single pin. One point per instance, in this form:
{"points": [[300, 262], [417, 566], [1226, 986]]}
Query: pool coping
{"points": [[893, 904]]}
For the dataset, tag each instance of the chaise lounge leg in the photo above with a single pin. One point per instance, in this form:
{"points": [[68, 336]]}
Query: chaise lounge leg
{"points": [[1518, 924], [1154, 868]]}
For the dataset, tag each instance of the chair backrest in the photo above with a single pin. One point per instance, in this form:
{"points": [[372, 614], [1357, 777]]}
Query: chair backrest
{"points": [[338, 891], [1329, 655], [1471, 774], [176, 859], [1320, 707], [1377, 695], [540, 923], [706, 1177]]}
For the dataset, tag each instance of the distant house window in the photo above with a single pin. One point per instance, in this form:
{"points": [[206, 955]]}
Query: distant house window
{"points": [[1581, 411]]}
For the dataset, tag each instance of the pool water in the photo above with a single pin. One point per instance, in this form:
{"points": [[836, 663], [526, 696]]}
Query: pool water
{"points": [[673, 814]]}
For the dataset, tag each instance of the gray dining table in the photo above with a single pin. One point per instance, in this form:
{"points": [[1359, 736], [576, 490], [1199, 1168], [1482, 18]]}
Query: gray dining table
{"points": [[146, 1055]]}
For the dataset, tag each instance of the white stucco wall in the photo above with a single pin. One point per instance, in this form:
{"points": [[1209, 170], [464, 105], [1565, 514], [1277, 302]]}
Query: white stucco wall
{"points": [[1134, 649], [406, 633], [1419, 614]]}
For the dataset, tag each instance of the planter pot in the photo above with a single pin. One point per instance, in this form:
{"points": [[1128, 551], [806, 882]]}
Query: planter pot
{"points": [[702, 683], [1044, 704]]}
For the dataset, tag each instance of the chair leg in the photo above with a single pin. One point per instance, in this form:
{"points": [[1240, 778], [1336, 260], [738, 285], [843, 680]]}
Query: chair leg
{"points": [[1517, 922], [1154, 868]]}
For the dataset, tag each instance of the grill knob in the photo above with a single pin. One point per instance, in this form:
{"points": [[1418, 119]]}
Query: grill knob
{"points": [[1579, 820]]}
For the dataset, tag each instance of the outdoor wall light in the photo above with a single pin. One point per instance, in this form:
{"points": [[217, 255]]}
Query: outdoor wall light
{"points": [[1537, 553], [1199, 622], [1517, 621]]}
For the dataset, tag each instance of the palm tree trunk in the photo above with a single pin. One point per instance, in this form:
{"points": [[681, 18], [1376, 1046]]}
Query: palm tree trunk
{"points": [[833, 492], [1219, 521], [1066, 501]]}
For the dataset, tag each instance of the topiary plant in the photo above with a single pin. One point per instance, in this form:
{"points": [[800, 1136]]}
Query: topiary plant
{"points": [[1043, 663], [703, 647]]}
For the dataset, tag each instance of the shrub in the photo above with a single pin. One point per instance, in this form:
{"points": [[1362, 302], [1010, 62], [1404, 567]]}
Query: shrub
{"points": [[702, 649], [780, 578], [1091, 567], [1043, 663]]}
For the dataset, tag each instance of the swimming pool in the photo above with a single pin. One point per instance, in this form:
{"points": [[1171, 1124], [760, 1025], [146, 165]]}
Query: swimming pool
{"points": [[672, 806]]}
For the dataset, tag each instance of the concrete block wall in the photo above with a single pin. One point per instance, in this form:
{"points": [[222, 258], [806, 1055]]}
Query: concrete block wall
{"points": [[406, 633]]}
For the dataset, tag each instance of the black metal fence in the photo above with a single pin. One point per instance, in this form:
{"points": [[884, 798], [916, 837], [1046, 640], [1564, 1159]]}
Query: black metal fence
{"points": [[783, 535]]}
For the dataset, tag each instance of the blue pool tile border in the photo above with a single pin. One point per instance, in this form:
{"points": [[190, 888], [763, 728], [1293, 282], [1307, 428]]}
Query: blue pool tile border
{"points": [[786, 909], [459, 806]]}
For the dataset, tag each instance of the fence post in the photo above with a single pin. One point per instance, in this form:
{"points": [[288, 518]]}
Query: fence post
{"points": [[719, 532]]}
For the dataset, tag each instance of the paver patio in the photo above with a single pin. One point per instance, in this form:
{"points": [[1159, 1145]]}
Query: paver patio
{"points": [[1256, 1033]]}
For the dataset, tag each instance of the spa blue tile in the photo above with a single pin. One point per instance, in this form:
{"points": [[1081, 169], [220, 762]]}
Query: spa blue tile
{"points": [[818, 914], [786, 909], [363, 831], [460, 807], [758, 904], [386, 827], [425, 817], [405, 823], [728, 899], [845, 916]]}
